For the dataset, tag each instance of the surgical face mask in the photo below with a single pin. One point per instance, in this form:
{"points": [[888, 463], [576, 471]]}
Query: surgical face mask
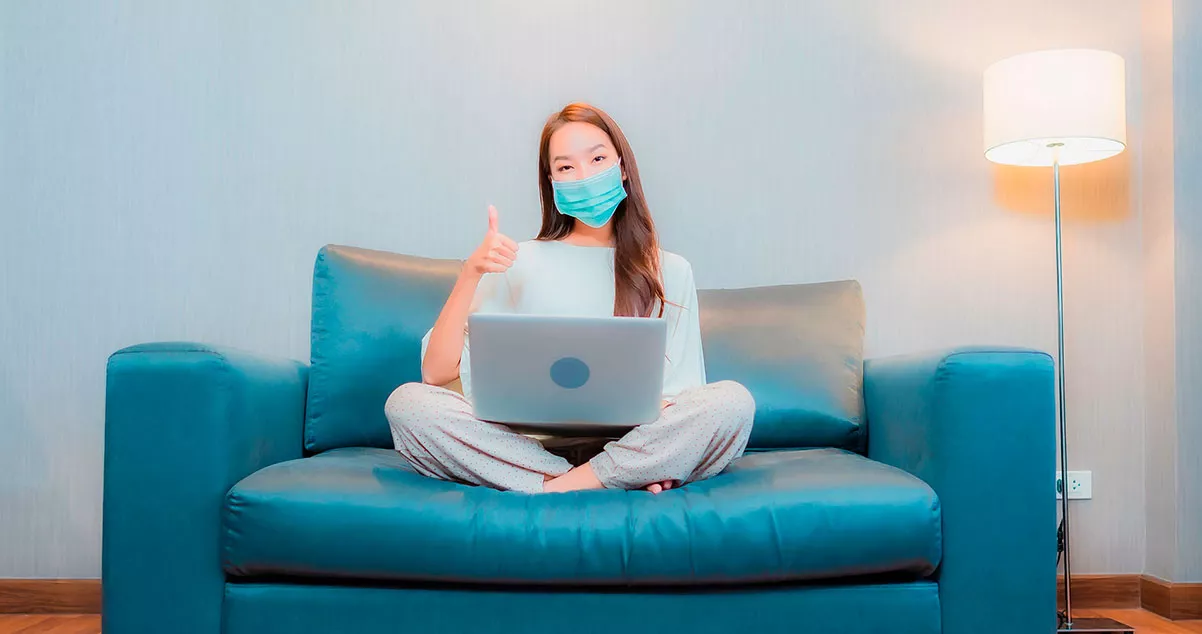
{"points": [[592, 200]]}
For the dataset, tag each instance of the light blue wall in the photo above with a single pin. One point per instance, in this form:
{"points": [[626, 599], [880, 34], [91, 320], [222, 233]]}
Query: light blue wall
{"points": [[168, 170], [1160, 312], [1187, 126]]}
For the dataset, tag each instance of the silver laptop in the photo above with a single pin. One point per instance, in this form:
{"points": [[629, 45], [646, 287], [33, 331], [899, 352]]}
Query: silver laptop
{"points": [[570, 373]]}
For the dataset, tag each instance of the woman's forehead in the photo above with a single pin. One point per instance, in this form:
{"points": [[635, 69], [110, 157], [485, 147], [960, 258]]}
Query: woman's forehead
{"points": [[577, 138]]}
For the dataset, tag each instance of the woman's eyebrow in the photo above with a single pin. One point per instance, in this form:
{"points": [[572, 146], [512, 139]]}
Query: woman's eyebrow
{"points": [[588, 151]]}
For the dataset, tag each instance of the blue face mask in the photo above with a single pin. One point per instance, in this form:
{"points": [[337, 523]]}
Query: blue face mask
{"points": [[592, 200]]}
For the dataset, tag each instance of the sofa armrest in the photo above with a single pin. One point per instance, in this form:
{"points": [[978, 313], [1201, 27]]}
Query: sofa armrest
{"points": [[183, 424], [978, 425]]}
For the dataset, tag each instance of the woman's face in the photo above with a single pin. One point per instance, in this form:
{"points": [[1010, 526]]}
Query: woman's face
{"points": [[579, 150]]}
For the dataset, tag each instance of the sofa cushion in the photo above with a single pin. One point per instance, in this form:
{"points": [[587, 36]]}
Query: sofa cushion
{"points": [[370, 311], [799, 349], [362, 513]]}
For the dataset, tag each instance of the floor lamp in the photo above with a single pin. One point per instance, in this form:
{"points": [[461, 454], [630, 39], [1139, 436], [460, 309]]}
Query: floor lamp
{"points": [[1047, 109]]}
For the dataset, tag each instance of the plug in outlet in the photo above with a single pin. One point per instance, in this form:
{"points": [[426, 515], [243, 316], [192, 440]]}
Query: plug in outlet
{"points": [[1080, 485]]}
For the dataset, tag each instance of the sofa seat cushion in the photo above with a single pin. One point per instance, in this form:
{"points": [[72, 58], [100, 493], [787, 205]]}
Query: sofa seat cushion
{"points": [[361, 513]]}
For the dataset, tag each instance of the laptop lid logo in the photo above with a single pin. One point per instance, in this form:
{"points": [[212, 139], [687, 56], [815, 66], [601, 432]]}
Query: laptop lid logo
{"points": [[569, 373]]}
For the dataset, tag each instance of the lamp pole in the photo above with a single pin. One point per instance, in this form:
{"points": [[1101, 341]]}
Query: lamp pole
{"points": [[1068, 576]]}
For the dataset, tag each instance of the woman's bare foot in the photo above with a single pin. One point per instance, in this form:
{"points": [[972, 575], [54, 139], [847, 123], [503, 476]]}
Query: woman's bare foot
{"points": [[578, 479], [582, 478], [658, 487]]}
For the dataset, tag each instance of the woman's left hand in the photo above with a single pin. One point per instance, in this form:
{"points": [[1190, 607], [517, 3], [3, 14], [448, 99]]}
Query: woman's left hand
{"points": [[659, 487]]}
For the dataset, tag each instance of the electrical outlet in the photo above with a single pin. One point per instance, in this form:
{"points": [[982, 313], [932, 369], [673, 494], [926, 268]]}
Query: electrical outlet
{"points": [[1080, 485]]}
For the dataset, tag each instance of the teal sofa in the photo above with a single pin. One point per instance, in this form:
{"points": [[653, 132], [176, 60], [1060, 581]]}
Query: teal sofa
{"points": [[909, 495]]}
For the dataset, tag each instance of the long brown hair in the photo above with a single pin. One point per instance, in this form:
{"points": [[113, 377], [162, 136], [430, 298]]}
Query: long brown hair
{"points": [[638, 288]]}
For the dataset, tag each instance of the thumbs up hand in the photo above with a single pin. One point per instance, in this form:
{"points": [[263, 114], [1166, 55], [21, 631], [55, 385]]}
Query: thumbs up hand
{"points": [[496, 254]]}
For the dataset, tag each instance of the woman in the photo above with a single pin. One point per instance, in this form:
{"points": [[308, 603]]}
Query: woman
{"points": [[597, 254]]}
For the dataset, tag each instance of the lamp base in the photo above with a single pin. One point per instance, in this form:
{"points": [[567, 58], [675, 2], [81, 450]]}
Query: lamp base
{"points": [[1096, 626]]}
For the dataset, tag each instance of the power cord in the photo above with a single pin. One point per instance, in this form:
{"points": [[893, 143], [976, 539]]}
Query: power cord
{"points": [[1061, 615], [1059, 543]]}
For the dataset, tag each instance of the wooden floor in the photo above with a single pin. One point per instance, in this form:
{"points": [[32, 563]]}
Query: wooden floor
{"points": [[53, 623], [1143, 622]]}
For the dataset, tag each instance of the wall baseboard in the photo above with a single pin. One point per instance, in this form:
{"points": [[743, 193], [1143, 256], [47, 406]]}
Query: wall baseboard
{"points": [[1101, 592], [1175, 601], [49, 596], [1171, 600]]}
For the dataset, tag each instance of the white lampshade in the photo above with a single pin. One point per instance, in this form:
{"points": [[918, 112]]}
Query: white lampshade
{"points": [[1074, 97]]}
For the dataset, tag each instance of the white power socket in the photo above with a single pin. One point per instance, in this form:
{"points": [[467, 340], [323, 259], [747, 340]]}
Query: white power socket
{"points": [[1080, 485]]}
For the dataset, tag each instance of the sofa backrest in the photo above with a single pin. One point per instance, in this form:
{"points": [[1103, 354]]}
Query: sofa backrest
{"points": [[798, 349]]}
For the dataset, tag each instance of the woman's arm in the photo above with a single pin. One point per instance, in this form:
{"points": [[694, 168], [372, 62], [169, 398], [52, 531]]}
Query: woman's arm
{"points": [[494, 255], [441, 363]]}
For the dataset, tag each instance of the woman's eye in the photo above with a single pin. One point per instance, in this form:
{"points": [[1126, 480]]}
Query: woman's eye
{"points": [[598, 159], [563, 168]]}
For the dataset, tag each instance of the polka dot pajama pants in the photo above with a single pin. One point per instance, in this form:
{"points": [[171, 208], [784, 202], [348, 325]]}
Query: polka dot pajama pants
{"points": [[696, 437]]}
